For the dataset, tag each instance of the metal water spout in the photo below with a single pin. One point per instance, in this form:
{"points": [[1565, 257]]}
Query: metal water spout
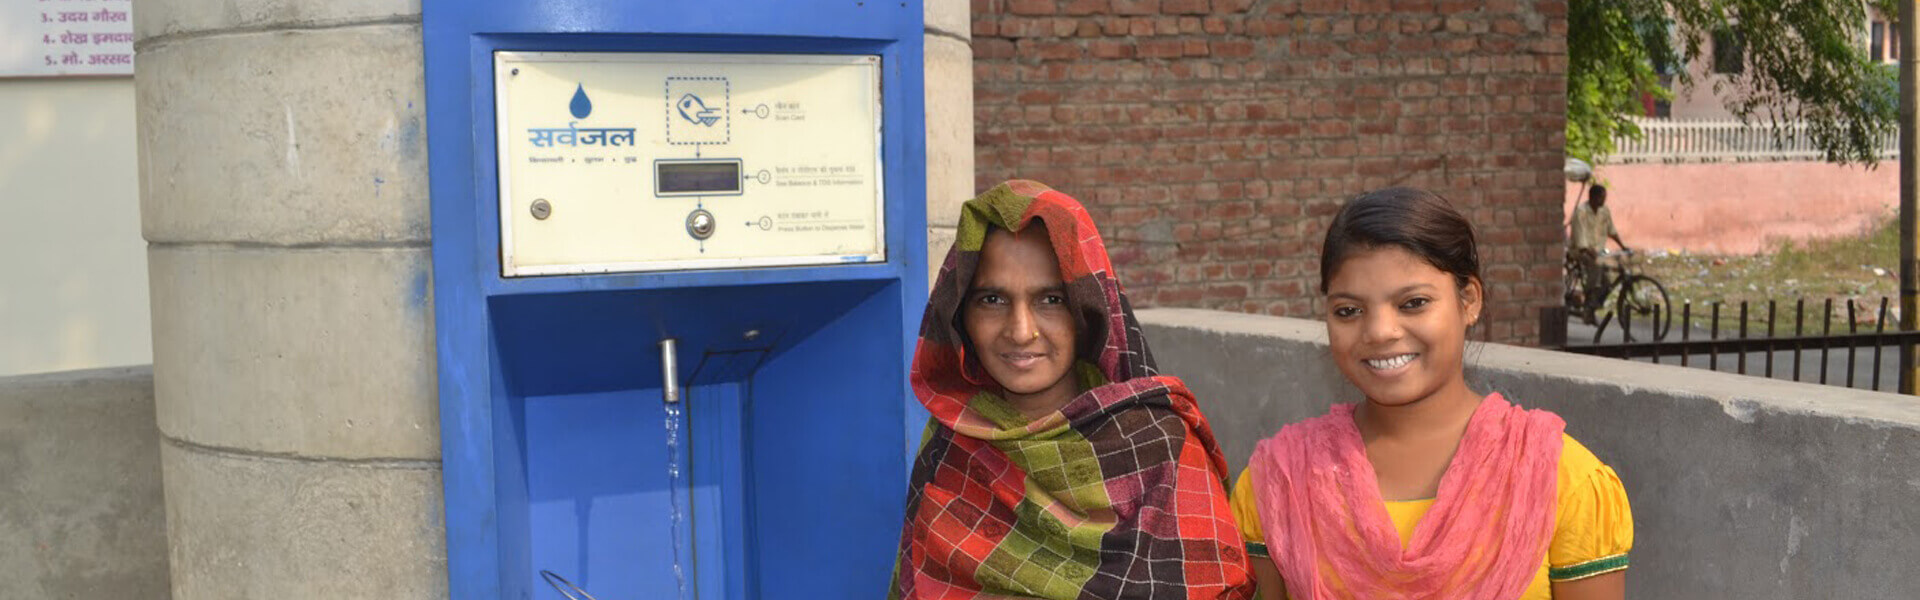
{"points": [[669, 371]]}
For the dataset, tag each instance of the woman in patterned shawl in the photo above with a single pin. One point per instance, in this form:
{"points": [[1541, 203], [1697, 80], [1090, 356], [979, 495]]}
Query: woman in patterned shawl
{"points": [[1058, 463]]}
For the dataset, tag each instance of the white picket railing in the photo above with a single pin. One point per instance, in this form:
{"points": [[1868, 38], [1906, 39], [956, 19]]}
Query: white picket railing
{"points": [[1667, 140]]}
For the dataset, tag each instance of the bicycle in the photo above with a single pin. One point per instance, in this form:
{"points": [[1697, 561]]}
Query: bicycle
{"points": [[1632, 295]]}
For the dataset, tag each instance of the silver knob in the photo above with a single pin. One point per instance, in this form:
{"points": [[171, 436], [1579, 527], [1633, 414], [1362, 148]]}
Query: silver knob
{"points": [[700, 224]]}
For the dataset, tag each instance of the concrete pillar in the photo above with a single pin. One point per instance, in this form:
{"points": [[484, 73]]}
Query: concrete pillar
{"points": [[949, 57], [283, 169]]}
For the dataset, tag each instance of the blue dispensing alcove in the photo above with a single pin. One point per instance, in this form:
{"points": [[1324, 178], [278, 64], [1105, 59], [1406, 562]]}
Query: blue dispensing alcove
{"points": [[679, 266]]}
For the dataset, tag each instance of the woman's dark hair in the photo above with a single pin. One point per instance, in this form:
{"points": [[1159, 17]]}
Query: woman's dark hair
{"points": [[1418, 221]]}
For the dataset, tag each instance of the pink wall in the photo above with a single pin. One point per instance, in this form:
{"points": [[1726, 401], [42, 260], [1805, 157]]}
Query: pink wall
{"points": [[1742, 208]]}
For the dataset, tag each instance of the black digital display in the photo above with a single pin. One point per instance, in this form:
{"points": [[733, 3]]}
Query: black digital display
{"points": [[691, 177]]}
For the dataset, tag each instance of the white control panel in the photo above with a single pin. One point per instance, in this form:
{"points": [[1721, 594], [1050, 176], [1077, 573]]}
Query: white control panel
{"points": [[624, 162]]}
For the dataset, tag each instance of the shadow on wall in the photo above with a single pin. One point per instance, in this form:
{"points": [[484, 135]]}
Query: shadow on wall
{"points": [[75, 292], [1742, 487]]}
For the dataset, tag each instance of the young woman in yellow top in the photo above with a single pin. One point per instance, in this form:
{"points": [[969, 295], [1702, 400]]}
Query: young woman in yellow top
{"points": [[1427, 489]]}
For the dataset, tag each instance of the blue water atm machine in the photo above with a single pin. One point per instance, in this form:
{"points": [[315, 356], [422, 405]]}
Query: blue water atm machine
{"points": [[679, 266]]}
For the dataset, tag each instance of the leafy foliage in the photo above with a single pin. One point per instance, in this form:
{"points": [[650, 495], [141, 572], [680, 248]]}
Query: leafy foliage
{"points": [[1803, 62]]}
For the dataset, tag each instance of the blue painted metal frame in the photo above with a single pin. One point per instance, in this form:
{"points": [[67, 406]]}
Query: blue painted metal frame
{"points": [[475, 383]]}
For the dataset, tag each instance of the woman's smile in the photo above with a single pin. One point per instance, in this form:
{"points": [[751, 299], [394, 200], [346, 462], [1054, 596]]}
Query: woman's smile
{"points": [[1023, 360], [1390, 364]]}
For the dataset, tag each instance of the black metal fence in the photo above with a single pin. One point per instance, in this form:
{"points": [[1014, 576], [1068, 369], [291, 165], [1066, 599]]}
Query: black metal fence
{"points": [[1811, 351]]}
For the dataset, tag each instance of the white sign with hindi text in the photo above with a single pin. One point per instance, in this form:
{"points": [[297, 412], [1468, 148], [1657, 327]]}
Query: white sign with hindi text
{"points": [[58, 38]]}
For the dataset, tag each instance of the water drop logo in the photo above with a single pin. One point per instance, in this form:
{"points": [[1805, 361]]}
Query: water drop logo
{"points": [[693, 109], [573, 134], [581, 105]]}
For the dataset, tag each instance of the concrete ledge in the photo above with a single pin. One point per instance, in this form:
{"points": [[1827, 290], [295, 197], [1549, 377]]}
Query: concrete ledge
{"points": [[175, 17], [1742, 487], [81, 512], [336, 154], [246, 528], [318, 352]]}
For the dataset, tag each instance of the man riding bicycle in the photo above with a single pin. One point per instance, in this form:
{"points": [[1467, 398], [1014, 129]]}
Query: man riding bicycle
{"points": [[1589, 229]]}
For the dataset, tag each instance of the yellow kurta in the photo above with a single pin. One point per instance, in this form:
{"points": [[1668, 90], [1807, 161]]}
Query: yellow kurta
{"points": [[1592, 534]]}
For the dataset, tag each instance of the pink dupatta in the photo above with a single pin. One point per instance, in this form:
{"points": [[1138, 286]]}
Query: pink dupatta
{"points": [[1484, 538]]}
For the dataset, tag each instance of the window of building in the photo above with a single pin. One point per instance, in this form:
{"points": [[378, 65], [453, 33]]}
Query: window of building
{"points": [[1729, 52], [1877, 45]]}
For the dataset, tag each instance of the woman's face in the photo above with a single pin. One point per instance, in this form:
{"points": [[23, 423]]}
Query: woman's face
{"points": [[1018, 321], [1397, 326]]}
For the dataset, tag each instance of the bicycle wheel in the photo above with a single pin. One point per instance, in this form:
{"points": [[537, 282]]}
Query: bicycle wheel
{"points": [[1646, 299], [1578, 304]]}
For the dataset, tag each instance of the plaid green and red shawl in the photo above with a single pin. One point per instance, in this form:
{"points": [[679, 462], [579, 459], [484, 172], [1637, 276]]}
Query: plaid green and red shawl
{"points": [[1118, 495]]}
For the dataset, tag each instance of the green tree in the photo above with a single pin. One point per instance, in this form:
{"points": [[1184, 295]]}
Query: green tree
{"points": [[1801, 61]]}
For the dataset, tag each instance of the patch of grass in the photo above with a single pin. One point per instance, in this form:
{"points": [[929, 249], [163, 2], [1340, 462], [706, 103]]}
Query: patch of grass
{"points": [[1860, 269]]}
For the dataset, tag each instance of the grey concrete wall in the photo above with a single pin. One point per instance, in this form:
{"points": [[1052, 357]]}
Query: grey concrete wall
{"points": [[80, 507], [283, 195], [1741, 487]]}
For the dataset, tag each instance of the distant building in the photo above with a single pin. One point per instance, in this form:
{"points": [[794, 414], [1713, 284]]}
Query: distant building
{"points": [[1722, 60]]}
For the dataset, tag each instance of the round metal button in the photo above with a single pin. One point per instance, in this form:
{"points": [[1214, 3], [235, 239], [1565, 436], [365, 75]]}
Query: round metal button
{"points": [[700, 224]]}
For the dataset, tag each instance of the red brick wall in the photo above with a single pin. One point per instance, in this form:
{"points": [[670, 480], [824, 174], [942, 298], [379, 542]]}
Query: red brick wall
{"points": [[1213, 140]]}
